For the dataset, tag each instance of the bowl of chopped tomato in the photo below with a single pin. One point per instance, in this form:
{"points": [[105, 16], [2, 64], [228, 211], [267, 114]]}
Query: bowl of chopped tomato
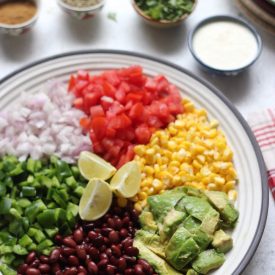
{"points": [[164, 14]]}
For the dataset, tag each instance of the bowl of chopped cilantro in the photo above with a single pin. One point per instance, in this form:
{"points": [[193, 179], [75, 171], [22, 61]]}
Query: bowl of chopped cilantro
{"points": [[164, 13]]}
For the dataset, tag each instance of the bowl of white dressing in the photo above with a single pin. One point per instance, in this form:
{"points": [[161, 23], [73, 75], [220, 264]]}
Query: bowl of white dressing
{"points": [[225, 44]]}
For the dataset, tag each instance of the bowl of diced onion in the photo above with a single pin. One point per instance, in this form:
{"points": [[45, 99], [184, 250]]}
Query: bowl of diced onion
{"points": [[160, 14], [81, 9]]}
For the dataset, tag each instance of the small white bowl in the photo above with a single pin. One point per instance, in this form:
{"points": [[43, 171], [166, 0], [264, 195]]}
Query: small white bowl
{"points": [[81, 13], [22, 28]]}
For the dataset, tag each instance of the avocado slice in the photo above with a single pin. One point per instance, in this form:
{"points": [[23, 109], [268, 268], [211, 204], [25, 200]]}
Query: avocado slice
{"points": [[196, 207], [147, 221], [160, 205], [191, 223], [210, 222], [152, 241], [208, 260], [201, 238], [181, 249], [191, 272], [170, 224], [221, 202], [160, 265], [222, 241]]}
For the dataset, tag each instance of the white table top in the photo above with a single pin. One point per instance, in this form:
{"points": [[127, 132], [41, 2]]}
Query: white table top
{"points": [[57, 33]]}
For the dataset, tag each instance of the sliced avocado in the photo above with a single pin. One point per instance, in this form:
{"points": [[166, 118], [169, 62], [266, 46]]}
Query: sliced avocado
{"points": [[222, 241], [201, 238], [221, 202], [171, 223], [152, 241], [147, 222], [210, 222], [196, 207], [160, 205], [191, 223], [208, 260], [191, 272], [160, 265], [181, 249], [191, 191]]}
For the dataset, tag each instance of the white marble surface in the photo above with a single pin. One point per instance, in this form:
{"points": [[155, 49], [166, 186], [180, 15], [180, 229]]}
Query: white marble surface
{"points": [[56, 33]]}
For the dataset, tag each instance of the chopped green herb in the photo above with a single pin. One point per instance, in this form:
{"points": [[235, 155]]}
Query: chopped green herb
{"points": [[170, 10], [112, 16]]}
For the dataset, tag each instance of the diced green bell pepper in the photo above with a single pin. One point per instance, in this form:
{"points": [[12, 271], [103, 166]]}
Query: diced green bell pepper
{"points": [[28, 191], [25, 241], [19, 250], [5, 206]]}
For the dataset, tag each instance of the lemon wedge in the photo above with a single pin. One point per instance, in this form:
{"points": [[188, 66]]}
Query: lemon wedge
{"points": [[96, 200], [126, 181], [93, 166]]}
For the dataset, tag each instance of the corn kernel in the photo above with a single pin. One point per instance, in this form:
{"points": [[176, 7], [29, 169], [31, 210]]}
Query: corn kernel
{"points": [[142, 196], [138, 206], [149, 170], [232, 195]]}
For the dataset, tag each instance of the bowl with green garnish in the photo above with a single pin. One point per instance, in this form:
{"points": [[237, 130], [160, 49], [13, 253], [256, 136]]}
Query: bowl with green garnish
{"points": [[164, 13]]}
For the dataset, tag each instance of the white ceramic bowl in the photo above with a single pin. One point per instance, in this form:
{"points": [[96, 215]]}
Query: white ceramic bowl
{"points": [[22, 28], [81, 13], [252, 201]]}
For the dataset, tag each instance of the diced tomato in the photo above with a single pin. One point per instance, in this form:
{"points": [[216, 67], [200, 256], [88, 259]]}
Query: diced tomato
{"points": [[85, 123], [110, 132], [107, 143], [106, 102], [124, 107], [99, 125], [72, 83], [120, 121], [90, 100], [120, 95], [83, 75], [115, 109], [112, 77], [109, 90], [96, 111], [135, 97], [80, 86], [151, 84], [78, 103], [98, 148], [114, 151], [136, 112], [143, 134], [155, 122]]}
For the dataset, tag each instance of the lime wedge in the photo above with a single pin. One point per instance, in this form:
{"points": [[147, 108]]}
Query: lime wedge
{"points": [[126, 181], [92, 166], [96, 200]]}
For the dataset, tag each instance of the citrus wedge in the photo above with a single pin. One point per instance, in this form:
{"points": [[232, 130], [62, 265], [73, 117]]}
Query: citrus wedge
{"points": [[126, 181], [93, 166], [96, 200]]}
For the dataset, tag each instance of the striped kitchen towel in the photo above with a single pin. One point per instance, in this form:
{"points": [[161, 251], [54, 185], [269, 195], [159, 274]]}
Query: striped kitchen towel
{"points": [[263, 126]]}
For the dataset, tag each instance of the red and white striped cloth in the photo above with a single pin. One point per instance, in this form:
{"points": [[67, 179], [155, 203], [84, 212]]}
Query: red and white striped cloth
{"points": [[263, 126]]}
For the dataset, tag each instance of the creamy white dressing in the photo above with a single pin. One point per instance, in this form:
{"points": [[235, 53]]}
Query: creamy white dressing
{"points": [[225, 45]]}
